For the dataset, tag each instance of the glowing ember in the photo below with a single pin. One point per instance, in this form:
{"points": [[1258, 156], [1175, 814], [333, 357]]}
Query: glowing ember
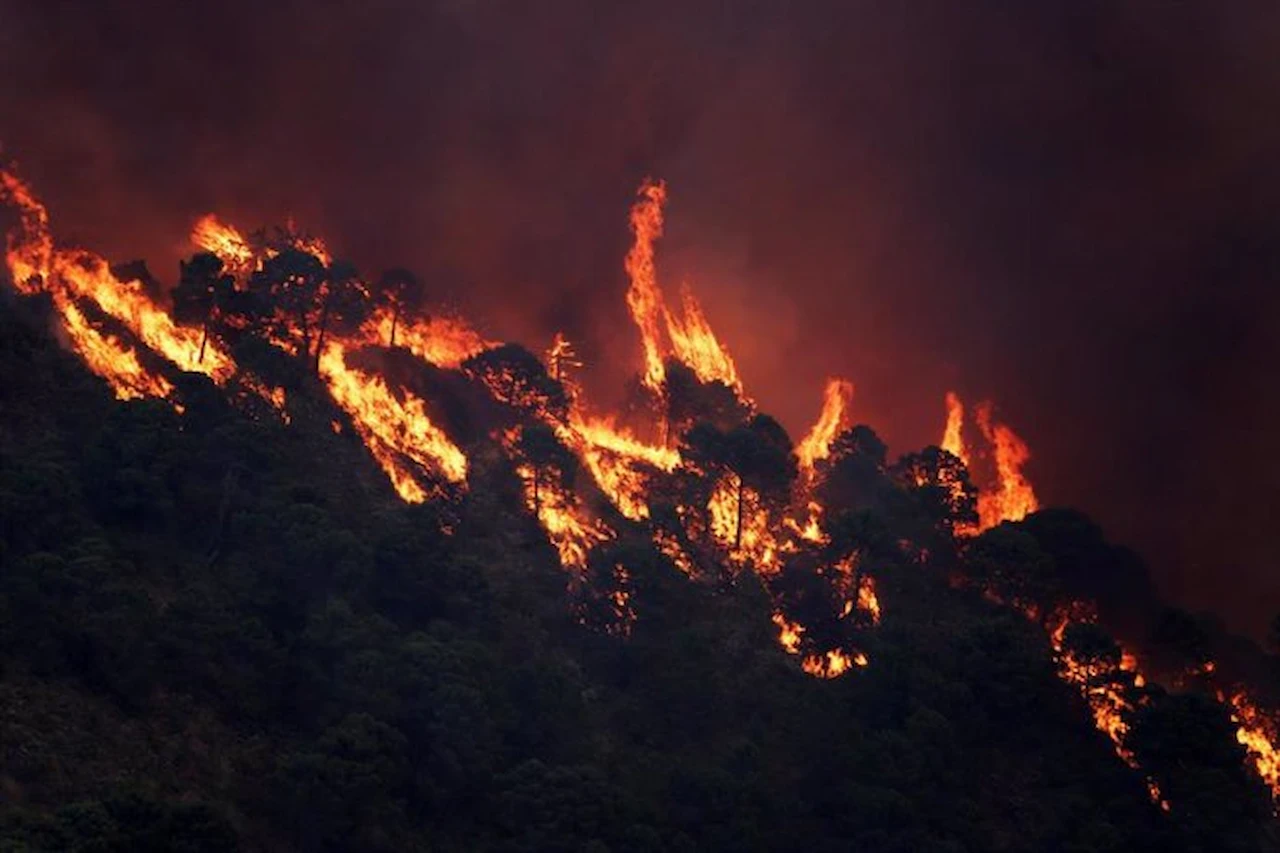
{"points": [[1012, 497], [1104, 693], [815, 446], [213, 235]]}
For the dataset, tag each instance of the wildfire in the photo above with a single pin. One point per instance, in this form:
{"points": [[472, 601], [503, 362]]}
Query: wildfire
{"points": [[394, 428], [1259, 734], [689, 334], [37, 265], [1103, 692], [1012, 498], [952, 437], [213, 235], [571, 530], [743, 527], [442, 341], [836, 401]]}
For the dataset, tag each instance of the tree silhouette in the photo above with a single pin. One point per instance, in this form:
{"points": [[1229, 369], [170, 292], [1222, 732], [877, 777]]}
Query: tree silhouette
{"points": [[203, 290]]}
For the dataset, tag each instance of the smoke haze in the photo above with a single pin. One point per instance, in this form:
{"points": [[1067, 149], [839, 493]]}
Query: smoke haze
{"points": [[1071, 208]]}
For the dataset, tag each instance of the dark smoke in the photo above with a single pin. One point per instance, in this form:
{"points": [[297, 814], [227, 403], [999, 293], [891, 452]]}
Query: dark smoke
{"points": [[1068, 207]]}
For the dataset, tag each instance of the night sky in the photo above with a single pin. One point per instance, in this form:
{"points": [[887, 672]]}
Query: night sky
{"points": [[1070, 208]]}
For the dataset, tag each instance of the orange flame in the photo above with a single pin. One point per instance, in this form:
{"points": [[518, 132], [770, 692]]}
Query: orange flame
{"points": [[836, 402], [643, 297], [1259, 734], [1015, 499], [36, 265], [691, 338], [952, 438], [1106, 700], [443, 341], [395, 428]]}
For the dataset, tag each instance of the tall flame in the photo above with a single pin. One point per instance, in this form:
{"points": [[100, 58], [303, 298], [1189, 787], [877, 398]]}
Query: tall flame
{"points": [[688, 332], [952, 436], [36, 264], [1014, 499], [836, 402], [643, 297], [1011, 497]]}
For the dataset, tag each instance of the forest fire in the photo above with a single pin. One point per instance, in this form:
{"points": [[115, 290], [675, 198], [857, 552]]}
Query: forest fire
{"points": [[836, 401], [1011, 497], [688, 334], [739, 497], [1105, 682], [75, 276], [1259, 734]]}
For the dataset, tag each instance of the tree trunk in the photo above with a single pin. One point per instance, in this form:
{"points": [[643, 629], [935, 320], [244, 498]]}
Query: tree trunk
{"points": [[737, 537], [204, 337], [324, 322], [537, 496], [395, 319]]}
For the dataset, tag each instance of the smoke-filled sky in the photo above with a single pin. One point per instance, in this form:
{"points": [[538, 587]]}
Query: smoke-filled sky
{"points": [[1072, 207]]}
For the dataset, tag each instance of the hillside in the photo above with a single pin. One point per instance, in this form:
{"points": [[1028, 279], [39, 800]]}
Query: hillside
{"points": [[260, 604]]}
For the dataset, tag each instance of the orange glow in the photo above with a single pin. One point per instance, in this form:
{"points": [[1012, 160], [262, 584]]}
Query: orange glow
{"points": [[694, 343], [1259, 734], [394, 427], [215, 236], [691, 338], [1011, 497], [836, 402], [68, 275], [443, 341], [110, 359], [1014, 499], [1101, 690], [952, 437], [750, 540], [570, 529], [643, 297]]}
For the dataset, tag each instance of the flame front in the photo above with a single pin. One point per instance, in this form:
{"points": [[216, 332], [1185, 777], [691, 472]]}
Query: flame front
{"points": [[69, 276]]}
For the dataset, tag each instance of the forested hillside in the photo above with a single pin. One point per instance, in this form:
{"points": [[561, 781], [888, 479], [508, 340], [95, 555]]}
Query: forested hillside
{"points": [[297, 565]]}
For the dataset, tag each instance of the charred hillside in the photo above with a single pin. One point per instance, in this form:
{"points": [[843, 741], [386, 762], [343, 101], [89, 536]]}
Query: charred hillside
{"points": [[293, 559]]}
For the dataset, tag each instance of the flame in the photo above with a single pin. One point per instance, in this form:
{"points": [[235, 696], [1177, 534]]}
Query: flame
{"points": [[37, 265], [1259, 734], [395, 428], [694, 343], [1012, 498], [1106, 700], [952, 439], [757, 545], [836, 401], [567, 525], [689, 333], [213, 235], [643, 297], [616, 460], [443, 341], [273, 395], [110, 359]]}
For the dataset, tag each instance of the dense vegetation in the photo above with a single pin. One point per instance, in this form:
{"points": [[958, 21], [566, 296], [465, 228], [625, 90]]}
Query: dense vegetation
{"points": [[218, 632]]}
